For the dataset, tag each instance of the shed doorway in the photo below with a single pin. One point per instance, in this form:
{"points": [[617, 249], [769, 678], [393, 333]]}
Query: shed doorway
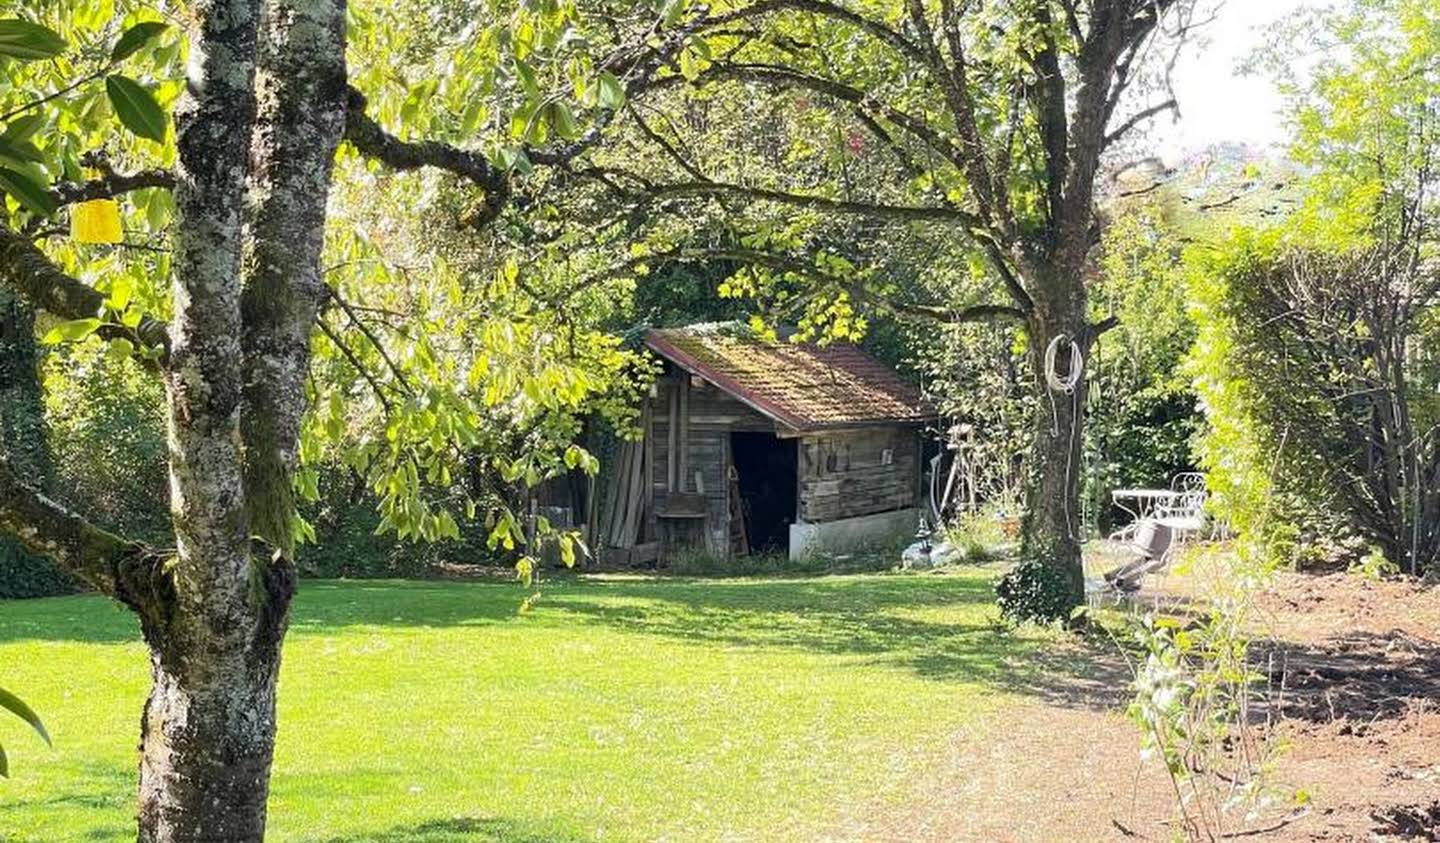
{"points": [[765, 485]]}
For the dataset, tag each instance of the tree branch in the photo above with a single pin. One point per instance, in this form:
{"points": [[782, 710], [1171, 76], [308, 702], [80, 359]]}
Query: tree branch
{"points": [[991, 192], [1024, 304], [349, 355], [109, 185], [636, 65], [1109, 323], [371, 140], [102, 559], [379, 347], [800, 200], [25, 269], [785, 76], [669, 148], [876, 28], [1138, 118], [1051, 104]]}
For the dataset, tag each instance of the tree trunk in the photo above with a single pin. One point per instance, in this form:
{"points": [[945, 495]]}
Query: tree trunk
{"points": [[257, 144], [209, 724], [1053, 525], [208, 731]]}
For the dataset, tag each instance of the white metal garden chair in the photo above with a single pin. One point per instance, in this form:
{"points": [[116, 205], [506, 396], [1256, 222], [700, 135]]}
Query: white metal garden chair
{"points": [[1185, 512]]}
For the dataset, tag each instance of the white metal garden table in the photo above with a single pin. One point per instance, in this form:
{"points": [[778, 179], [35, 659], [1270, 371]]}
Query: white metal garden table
{"points": [[1141, 504]]}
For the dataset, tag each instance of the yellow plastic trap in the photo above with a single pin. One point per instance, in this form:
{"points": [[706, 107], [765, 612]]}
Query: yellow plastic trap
{"points": [[96, 221]]}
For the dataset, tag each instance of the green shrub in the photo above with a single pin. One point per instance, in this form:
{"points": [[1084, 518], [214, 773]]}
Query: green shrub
{"points": [[1299, 386], [25, 575], [1033, 592], [106, 422]]}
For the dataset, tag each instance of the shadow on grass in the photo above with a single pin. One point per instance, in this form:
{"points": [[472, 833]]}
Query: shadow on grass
{"points": [[84, 618], [320, 606], [940, 626], [461, 830]]}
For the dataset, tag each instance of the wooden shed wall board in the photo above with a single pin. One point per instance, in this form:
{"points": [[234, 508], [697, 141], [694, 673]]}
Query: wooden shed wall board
{"points": [[713, 415], [843, 474]]}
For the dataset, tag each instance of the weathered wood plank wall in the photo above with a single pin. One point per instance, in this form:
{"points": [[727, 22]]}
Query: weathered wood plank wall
{"points": [[845, 474], [712, 416]]}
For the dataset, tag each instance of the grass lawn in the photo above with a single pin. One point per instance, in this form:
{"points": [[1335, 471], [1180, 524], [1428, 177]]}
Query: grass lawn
{"points": [[617, 709]]}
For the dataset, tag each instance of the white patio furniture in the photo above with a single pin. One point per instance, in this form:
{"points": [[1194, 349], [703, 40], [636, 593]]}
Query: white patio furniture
{"points": [[1184, 512], [1139, 504]]}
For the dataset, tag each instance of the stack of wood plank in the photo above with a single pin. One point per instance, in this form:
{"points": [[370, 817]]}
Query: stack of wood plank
{"points": [[626, 497]]}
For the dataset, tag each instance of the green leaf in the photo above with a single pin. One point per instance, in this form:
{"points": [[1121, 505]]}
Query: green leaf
{"points": [[4, 764], [514, 158], [136, 107], [121, 289], [71, 331], [19, 150], [28, 41], [120, 350], [475, 114], [135, 38], [612, 93], [671, 10], [528, 81], [27, 192], [17, 707], [562, 120]]}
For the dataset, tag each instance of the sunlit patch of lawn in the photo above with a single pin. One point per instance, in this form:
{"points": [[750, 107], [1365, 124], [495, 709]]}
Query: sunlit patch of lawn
{"points": [[616, 709]]}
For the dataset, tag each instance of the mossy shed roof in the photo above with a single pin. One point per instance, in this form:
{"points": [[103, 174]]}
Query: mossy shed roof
{"points": [[802, 386]]}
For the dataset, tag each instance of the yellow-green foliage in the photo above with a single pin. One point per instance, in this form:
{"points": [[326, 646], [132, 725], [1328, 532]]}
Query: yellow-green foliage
{"points": [[1236, 451]]}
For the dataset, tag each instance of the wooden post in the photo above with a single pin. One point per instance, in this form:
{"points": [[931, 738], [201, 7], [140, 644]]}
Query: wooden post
{"points": [[672, 433], [684, 447], [647, 482]]}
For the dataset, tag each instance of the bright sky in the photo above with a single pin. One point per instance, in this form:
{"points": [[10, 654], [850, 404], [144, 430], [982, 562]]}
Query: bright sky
{"points": [[1217, 103]]}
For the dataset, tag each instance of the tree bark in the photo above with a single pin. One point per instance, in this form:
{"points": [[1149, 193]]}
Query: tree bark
{"points": [[1052, 528], [255, 168], [208, 731], [208, 728], [302, 88]]}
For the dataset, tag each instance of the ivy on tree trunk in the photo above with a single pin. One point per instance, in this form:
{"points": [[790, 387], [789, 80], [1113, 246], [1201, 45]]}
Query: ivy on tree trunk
{"points": [[23, 445]]}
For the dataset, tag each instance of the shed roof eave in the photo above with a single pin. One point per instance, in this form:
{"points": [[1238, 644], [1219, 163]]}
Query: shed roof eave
{"points": [[788, 424], [677, 356]]}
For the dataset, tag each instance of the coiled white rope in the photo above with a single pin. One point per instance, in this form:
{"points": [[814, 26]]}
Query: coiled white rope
{"points": [[1071, 379], [1066, 384]]}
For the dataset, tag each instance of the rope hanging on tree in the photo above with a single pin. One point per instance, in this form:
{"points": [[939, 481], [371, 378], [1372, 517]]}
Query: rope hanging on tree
{"points": [[1066, 384], [1063, 383]]}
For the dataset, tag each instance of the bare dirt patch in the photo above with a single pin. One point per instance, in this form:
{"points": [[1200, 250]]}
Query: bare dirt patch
{"points": [[1356, 667]]}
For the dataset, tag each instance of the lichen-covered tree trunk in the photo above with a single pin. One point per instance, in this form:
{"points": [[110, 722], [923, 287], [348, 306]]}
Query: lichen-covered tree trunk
{"points": [[208, 731], [303, 94], [257, 134]]}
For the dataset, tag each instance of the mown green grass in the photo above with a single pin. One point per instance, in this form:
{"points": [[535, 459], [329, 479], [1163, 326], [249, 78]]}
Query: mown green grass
{"points": [[617, 709]]}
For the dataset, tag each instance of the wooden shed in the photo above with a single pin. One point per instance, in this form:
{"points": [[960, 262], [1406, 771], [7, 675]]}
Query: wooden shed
{"points": [[756, 446]]}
